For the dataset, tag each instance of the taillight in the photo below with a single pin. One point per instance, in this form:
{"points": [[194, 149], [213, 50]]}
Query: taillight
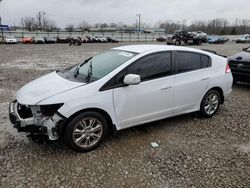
{"points": [[228, 70]]}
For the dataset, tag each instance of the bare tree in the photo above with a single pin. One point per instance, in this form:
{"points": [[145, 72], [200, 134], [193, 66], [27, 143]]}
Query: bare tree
{"points": [[84, 26], [113, 25], [70, 28], [29, 23]]}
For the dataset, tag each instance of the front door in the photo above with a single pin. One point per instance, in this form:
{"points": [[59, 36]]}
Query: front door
{"points": [[150, 100]]}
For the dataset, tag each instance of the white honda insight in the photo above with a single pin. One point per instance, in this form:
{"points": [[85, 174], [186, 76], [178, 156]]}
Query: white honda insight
{"points": [[121, 88]]}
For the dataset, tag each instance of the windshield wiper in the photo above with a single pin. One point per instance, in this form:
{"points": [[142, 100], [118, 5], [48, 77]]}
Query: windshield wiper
{"points": [[89, 72], [76, 72]]}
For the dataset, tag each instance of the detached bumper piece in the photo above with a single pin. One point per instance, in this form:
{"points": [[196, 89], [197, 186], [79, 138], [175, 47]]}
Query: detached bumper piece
{"points": [[30, 119]]}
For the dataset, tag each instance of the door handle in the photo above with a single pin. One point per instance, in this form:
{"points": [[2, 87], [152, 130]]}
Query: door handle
{"points": [[165, 88], [204, 79]]}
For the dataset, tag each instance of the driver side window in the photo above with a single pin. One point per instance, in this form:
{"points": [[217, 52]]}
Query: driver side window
{"points": [[150, 67]]}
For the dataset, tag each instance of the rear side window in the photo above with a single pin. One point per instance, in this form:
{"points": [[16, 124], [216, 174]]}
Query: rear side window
{"points": [[188, 61], [205, 61]]}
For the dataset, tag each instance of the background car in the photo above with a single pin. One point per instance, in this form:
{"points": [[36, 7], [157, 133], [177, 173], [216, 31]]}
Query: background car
{"points": [[112, 40], [10, 40], [101, 39], [38, 40], [50, 40], [182, 37], [85, 39], [216, 39], [27, 40], [240, 65], [60, 39], [243, 39], [161, 39]]}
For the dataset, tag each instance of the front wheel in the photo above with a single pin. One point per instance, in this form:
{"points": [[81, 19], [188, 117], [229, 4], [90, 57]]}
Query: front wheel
{"points": [[210, 104], [86, 131]]}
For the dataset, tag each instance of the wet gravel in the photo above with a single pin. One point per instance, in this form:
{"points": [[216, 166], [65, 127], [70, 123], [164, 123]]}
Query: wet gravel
{"points": [[192, 152]]}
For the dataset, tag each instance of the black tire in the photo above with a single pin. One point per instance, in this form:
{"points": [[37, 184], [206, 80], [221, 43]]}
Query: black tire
{"points": [[199, 42], [177, 43], [204, 111], [70, 130]]}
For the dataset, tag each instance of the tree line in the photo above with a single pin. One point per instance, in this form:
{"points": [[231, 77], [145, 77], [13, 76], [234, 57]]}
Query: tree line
{"points": [[218, 26]]}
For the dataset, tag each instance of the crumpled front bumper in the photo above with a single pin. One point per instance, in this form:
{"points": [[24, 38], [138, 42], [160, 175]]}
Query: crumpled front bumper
{"points": [[22, 125], [44, 125]]}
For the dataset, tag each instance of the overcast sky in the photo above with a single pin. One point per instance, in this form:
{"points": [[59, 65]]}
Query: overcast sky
{"points": [[93, 11]]}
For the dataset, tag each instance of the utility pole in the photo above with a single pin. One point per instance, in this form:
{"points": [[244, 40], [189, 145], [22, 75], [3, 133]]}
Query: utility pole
{"points": [[1, 27], [39, 20], [139, 15], [43, 20]]}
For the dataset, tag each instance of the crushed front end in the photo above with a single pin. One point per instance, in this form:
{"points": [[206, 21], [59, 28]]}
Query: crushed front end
{"points": [[36, 119]]}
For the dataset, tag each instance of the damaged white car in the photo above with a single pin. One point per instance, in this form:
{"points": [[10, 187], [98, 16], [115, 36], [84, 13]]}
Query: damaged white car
{"points": [[121, 88]]}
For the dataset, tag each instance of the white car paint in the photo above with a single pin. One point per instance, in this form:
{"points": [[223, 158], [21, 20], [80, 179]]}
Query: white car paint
{"points": [[135, 104], [10, 40]]}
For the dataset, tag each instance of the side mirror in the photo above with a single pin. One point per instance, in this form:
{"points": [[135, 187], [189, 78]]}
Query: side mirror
{"points": [[132, 79]]}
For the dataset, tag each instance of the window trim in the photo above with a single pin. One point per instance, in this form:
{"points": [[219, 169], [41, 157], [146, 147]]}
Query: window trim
{"points": [[172, 71], [177, 65]]}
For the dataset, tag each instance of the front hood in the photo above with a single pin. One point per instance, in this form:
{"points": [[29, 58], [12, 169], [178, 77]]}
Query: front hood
{"points": [[242, 56], [45, 87]]}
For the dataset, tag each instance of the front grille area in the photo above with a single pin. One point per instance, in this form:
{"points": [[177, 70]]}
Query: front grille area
{"points": [[24, 111], [240, 66]]}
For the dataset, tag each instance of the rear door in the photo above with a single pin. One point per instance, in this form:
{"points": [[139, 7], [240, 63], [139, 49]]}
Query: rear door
{"points": [[193, 74]]}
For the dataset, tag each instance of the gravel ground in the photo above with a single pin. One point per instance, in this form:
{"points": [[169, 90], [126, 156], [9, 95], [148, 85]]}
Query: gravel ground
{"points": [[192, 152]]}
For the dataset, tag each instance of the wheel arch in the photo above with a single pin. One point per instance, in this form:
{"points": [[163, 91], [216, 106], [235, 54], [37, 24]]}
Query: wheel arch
{"points": [[217, 88], [111, 125]]}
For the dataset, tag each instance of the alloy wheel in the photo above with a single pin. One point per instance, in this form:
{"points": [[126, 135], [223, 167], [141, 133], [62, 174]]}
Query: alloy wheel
{"points": [[87, 132]]}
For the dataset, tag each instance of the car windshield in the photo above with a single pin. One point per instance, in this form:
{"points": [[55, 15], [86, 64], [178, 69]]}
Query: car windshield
{"points": [[102, 64], [10, 37], [243, 36]]}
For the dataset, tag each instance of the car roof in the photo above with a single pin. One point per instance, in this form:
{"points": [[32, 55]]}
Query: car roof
{"points": [[154, 48]]}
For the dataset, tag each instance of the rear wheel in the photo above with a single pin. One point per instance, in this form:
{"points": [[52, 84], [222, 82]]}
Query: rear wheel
{"points": [[86, 131], [178, 43], [210, 104]]}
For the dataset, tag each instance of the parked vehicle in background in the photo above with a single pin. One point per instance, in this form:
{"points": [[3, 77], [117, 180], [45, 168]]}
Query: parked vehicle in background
{"points": [[89, 39], [161, 39], [27, 40], [84, 103], [112, 40], [38, 40], [50, 40], [85, 39], [95, 39], [243, 39], [200, 34], [184, 38], [63, 39], [212, 39], [75, 41], [10, 40], [240, 65], [101, 39]]}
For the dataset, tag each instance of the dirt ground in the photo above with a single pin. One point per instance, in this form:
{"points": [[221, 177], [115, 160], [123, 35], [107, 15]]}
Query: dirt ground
{"points": [[193, 152]]}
